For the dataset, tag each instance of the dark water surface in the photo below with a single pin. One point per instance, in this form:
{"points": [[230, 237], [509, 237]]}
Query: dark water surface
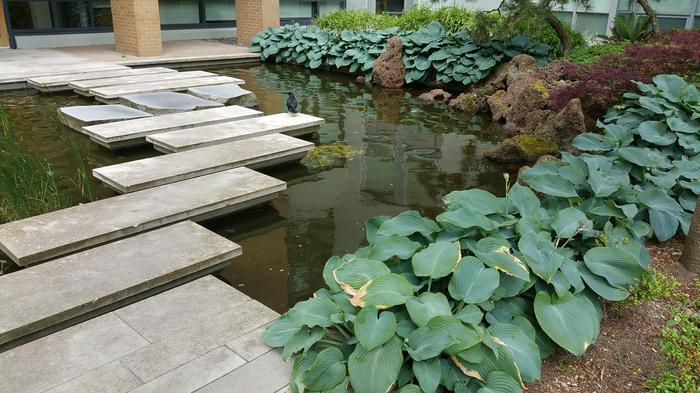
{"points": [[407, 155]]}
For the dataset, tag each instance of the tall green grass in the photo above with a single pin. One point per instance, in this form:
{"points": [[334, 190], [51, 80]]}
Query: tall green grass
{"points": [[29, 185]]}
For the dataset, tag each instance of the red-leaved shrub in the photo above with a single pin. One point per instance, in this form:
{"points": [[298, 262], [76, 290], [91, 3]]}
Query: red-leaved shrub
{"points": [[601, 84]]}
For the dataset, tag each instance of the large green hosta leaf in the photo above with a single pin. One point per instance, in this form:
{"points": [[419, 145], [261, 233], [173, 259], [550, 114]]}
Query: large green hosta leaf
{"points": [[373, 329], [472, 282], [570, 221], [384, 291], [500, 382], [355, 273], [463, 336], [376, 370], [540, 255], [408, 223], [620, 268], [526, 353], [466, 219], [426, 343], [656, 132], [437, 260], [498, 359], [496, 253], [316, 311], [394, 245], [602, 287], [479, 201], [570, 321], [524, 200], [553, 185], [428, 373], [427, 306], [280, 331], [326, 372]]}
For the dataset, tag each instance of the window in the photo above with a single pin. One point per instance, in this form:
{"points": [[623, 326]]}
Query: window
{"points": [[28, 16], [390, 6], [672, 23], [591, 24], [178, 12], [220, 11], [564, 16]]}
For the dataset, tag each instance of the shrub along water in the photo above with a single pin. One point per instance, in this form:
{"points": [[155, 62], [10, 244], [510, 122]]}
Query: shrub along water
{"points": [[451, 57], [475, 299]]}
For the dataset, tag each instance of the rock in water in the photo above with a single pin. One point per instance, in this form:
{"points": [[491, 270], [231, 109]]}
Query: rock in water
{"points": [[227, 94], [388, 70], [523, 148], [435, 95]]}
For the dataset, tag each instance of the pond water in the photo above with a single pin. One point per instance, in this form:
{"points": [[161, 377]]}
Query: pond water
{"points": [[405, 155]]}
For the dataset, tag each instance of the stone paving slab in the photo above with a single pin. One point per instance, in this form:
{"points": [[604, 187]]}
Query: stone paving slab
{"points": [[114, 92], [83, 86], [77, 117], [109, 354], [61, 82], [258, 152], [167, 102], [70, 353], [192, 138], [57, 233], [66, 67], [228, 94], [86, 281], [133, 132]]}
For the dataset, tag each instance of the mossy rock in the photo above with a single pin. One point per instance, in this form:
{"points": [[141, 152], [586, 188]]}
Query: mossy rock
{"points": [[328, 156], [523, 148]]}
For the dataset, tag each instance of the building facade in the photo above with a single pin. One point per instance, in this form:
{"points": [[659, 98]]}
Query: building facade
{"points": [[50, 23]]}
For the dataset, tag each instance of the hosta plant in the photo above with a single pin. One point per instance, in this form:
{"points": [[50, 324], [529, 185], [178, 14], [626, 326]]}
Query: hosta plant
{"points": [[452, 57], [473, 300]]}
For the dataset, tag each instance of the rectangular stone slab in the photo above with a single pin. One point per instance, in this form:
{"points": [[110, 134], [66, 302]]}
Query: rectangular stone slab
{"points": [[84, 85], [86, 281], [256, 152], [133, 132], [193, 138], [64, 231], [67, 68], [61, 82], [114, 92], [167, 102], [77, 117]]}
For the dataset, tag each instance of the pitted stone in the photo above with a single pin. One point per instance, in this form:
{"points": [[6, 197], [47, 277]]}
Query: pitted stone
{"points": [[228, 94]]}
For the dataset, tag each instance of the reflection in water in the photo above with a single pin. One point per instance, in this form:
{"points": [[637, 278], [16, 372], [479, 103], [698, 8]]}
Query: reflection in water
{"points": [[412, 155]]}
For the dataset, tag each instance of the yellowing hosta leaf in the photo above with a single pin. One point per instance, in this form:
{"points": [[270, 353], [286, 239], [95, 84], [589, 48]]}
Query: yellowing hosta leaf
{"points": [[437, 260], [382, 292], [355, 273], [496, 253], [504, 362]]}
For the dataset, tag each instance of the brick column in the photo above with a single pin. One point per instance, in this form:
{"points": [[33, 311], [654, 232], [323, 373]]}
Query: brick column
{"points": [[253, 16], [4, 36], [136, 26]]}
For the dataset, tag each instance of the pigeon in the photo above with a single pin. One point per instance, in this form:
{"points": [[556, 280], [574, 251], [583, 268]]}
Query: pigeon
{"points": [[291, 103]]}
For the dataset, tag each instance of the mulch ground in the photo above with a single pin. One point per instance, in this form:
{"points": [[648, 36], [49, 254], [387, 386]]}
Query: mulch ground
{"points": [[627, 352]]}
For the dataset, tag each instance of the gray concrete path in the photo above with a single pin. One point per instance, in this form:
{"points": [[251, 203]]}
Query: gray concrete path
{"points": [[77, 117], [54, 234], [61, 82], [167, 102], [50, 293], [114, 92], [201, 335], [192, 138], [133, 132], [83, 87], [259, 152]]}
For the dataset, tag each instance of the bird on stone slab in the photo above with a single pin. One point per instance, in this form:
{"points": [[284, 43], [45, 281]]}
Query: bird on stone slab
{"points": [[291, 103]]}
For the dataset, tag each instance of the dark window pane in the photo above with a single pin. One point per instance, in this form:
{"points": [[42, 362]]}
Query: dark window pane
{"points": [[102, 13], [72, 14], [390, 6], [220, 11], [178, 11], [29, 15], [672, 23]]}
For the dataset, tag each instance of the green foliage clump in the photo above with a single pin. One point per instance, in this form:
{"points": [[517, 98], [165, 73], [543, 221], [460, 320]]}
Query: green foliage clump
{"points": [[632, 28], [589, 54], [653, 286], [452, 57], [355, 20], [476, 298], [453, 19]]}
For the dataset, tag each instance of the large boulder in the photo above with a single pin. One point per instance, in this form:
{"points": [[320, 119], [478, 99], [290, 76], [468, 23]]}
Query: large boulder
{"points": [[564, 126], [523, 148], [466, 102], [520, 64], [388, 70]]}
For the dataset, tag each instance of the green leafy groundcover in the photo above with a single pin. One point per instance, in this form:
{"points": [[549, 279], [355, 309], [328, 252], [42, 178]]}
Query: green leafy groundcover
{"points": [[451, 57], [474, 300]]}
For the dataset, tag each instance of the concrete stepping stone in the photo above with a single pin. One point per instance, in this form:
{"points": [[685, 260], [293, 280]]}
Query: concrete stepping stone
{"points": [[86, 281], [179, 340], [77, 117], [259, 152], [64, 231], [133, 132], [83, 86], [107, 93], [228, 94], [68, 68], [167, 102], [61, 82], [192, 138]]}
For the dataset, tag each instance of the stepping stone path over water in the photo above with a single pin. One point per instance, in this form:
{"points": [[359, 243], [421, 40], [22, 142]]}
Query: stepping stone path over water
{"points": [[110, 93], [192, 138], [133, 132], [83, 86], [228, 94], [256, 153], [77, 117], [61, 82], [167, 102], [84, 282], [64, 231]]}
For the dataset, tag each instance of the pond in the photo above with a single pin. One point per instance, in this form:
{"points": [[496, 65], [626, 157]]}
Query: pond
{"points": [[404, 154]]}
